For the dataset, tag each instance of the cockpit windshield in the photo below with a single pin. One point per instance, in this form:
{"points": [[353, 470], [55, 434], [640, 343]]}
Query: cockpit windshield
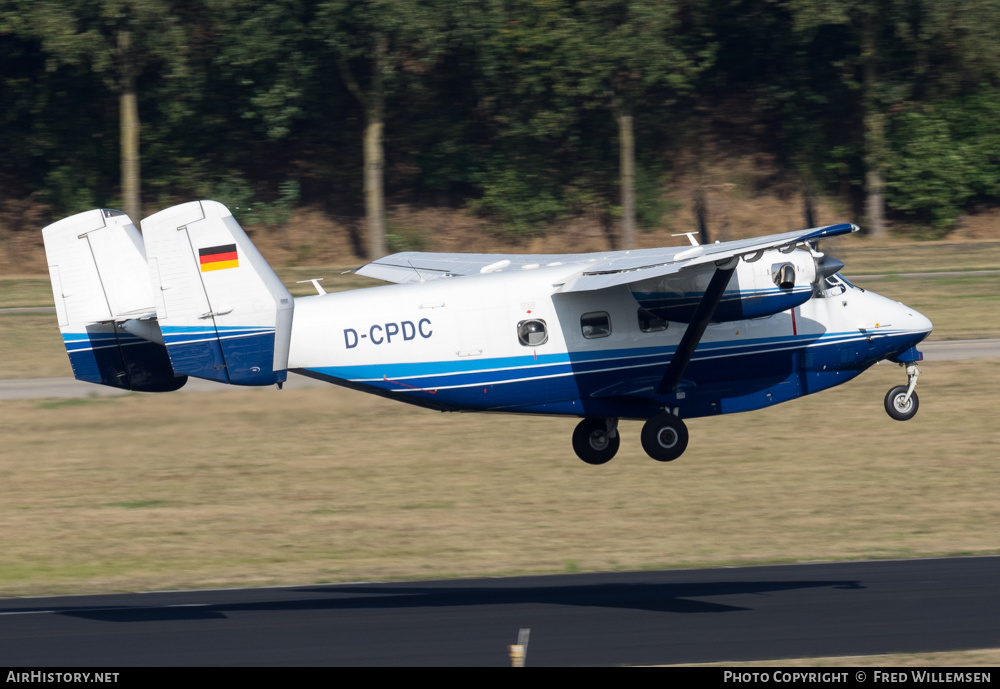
{"points": [[833, 286]]}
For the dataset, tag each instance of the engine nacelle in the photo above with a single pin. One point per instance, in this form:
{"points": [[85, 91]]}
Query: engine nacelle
{"points": [[768, 283]]}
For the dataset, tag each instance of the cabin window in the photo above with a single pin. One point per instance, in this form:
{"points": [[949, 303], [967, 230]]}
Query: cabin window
{"points": [[532, 333], [595, 324], [648, 323]]}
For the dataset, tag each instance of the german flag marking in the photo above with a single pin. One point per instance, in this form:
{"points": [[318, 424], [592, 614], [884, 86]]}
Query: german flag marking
{"points": [[218, 257]]}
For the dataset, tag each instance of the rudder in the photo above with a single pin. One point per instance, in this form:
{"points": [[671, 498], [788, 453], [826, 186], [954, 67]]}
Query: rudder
{"points": [[104, 303], [224, 314]]}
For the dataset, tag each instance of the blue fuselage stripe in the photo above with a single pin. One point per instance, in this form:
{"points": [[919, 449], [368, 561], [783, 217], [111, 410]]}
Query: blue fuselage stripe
{"points": [[466, 373]]}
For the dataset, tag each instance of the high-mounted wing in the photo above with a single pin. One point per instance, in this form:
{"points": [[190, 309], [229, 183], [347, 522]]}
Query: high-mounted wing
{"points": [[597, 270], [626, 267], [419, 266]]}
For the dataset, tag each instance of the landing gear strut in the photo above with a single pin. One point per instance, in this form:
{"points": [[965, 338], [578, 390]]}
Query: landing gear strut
{"points": [[664, 437], [596, 441], [901, 402]]}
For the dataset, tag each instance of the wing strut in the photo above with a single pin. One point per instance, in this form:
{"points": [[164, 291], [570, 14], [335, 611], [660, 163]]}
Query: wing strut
{"points": [[696, 328]]}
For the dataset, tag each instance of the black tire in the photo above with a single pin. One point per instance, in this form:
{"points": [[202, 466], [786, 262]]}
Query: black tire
{"points": [[593, 444], [664, 437], [894, 407]]}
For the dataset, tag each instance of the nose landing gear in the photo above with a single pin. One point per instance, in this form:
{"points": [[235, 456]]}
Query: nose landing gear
{"points": [[901, 402]]}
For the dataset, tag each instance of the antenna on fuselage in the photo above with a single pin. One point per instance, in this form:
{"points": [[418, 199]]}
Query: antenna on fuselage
{"points": [[315, 283], [420, 278]]}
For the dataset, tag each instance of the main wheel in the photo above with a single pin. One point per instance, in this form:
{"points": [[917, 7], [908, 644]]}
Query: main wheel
{"points": [[664, 437], [898, 407], [592, 442]]}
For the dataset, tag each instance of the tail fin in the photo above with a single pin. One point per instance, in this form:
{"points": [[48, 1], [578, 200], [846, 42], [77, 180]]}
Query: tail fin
{"points": [[223, 312], [104, 302]]}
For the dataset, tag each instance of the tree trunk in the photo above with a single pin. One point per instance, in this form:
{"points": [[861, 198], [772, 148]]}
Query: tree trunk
{"points": [[874, 125], [875, 202], [701, 215], [129, 130], [374, 193], [626, 153], [375, 155]]}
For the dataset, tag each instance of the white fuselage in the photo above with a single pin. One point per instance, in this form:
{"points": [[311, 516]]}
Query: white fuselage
{"points": [[453, 343]]}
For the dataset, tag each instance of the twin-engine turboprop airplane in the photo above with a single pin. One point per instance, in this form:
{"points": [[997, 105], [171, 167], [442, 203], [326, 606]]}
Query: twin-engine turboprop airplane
{"points": [[657, 335]]}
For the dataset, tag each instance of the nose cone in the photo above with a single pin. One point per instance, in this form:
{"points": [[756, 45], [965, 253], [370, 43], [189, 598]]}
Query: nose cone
{"points": [[919, 322], [914, 322]]}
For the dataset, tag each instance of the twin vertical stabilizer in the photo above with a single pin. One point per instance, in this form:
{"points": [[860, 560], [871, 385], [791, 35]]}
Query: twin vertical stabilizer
{"points": [[102, 294], [190, 296]]}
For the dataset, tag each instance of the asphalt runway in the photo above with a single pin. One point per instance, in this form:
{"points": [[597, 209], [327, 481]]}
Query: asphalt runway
{"points": [[39, 388], [635, 618]]}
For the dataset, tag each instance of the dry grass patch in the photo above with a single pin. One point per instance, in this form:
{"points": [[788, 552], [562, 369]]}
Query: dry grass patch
{"points": [[862, 258], [256, 486], [26, 290], [32, 347]]}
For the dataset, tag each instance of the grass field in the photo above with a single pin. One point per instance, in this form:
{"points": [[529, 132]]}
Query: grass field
{"points": [[256, 486]]}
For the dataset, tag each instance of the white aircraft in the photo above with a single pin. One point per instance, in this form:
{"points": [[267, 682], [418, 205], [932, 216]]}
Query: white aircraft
{"points": [[657, 335]]}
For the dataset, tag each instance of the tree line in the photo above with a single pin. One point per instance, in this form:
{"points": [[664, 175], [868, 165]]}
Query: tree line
{"points": [[525, 111]]}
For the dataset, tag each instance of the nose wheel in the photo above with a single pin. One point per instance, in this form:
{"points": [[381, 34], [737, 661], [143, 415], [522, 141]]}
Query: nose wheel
{"points": [[901, 402], [596, 441]]}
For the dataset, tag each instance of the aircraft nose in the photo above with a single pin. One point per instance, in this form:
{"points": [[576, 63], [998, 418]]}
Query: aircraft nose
{"points": [[916, 321]]}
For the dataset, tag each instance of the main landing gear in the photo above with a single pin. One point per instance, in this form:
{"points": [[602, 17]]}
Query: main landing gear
{"points": [[596, 441], [664, 438], [901, 402]]}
